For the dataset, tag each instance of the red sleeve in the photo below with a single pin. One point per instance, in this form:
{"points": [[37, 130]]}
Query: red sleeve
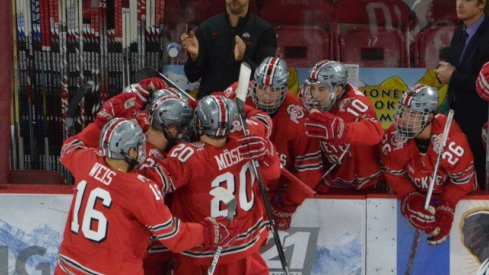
{"points": [[356, 134], [394, 158], [178, 164], [363, 126], [271, 170], [458, 161], [87, 138], [308, 162], [151, 211], [259, 123]]}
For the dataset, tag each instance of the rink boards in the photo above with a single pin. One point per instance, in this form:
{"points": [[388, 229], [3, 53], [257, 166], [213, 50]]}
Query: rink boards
{"points": [[331, 235]]}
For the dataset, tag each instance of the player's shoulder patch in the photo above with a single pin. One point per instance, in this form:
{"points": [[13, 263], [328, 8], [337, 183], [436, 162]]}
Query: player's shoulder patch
{"points": [[296, 112], [392, 141], [198, 145]]}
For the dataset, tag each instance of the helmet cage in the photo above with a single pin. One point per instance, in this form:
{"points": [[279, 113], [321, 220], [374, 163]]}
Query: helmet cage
{"points": [[268, 98], [409, 123], [414, 109], [270, 77]]}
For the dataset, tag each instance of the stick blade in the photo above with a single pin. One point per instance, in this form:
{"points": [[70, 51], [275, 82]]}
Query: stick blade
{"points": [[243, 81]]}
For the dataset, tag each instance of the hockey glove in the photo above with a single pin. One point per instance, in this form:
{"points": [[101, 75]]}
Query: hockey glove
{"points": [[412, 207], [228, 93], [325, 126], [218, 232], [152, 84], [444, 218], [282, 215], [122, 105], [142, 118], [256, 148]]}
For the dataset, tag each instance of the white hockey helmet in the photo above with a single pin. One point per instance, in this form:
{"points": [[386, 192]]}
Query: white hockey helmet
{"points": [[414, 109], [215, 115], [118, 136], [319, 89], [270, 84]]}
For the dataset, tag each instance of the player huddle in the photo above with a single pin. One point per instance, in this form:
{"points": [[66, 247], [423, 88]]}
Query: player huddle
{"points": [[148, 168]]}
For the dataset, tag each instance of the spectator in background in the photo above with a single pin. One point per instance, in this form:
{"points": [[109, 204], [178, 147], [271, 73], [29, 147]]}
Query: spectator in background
{"points": [[222, 42], [469, 50]]}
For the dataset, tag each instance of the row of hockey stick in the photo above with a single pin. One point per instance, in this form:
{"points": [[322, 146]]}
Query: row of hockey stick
{"points": [[62, 44]]}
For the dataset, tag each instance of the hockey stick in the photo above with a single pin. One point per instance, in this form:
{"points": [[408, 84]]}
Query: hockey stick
{"points": [[228, 198], [241, 91], [443, 143], [169, 81], [486, 184], [336, 163]]}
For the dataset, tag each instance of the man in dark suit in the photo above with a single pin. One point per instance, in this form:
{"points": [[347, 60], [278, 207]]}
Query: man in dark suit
{"points": [[469, 50]]}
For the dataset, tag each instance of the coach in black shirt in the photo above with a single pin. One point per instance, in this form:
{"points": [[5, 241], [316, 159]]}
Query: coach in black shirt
{"points": [[222, 42]]}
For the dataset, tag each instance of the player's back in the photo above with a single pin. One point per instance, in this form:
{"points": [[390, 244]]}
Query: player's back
{"points": [[101, 234], [196, 168]]}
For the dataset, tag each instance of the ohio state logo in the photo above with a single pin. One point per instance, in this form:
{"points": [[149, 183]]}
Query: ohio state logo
{"points": [[295, 112]]}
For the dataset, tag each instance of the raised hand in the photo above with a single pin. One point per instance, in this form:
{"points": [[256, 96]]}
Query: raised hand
{"points": [[191, 44], [325, 126], [124, 105], [239, 48], [255, 148]]}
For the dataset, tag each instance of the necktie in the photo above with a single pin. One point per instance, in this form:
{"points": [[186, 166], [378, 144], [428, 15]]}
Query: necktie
{"points": [[464, 42]]}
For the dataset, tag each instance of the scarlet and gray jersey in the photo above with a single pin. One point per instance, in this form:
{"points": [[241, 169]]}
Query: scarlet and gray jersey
{"points": [[359, 168], [408, 170], [113, 215], [196, 168], [298, 153]]}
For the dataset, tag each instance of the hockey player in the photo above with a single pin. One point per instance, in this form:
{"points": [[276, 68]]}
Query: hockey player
{"points": [[115, 210], [298, 153], [168, 117], [222, 158], [344, 121], [165, 119], [410, 149]]}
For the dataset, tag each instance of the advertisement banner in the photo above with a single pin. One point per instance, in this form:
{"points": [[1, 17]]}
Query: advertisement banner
{"points": [[350, 235]]}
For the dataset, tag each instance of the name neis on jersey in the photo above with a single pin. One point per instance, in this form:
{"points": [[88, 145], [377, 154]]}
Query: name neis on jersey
{"points": [[101, 173]]}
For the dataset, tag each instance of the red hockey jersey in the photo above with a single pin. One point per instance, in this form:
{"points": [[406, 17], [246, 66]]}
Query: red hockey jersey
{"points": [[298, 153], [359, 168], [408, 170], [113, 215], [196, 168]]}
